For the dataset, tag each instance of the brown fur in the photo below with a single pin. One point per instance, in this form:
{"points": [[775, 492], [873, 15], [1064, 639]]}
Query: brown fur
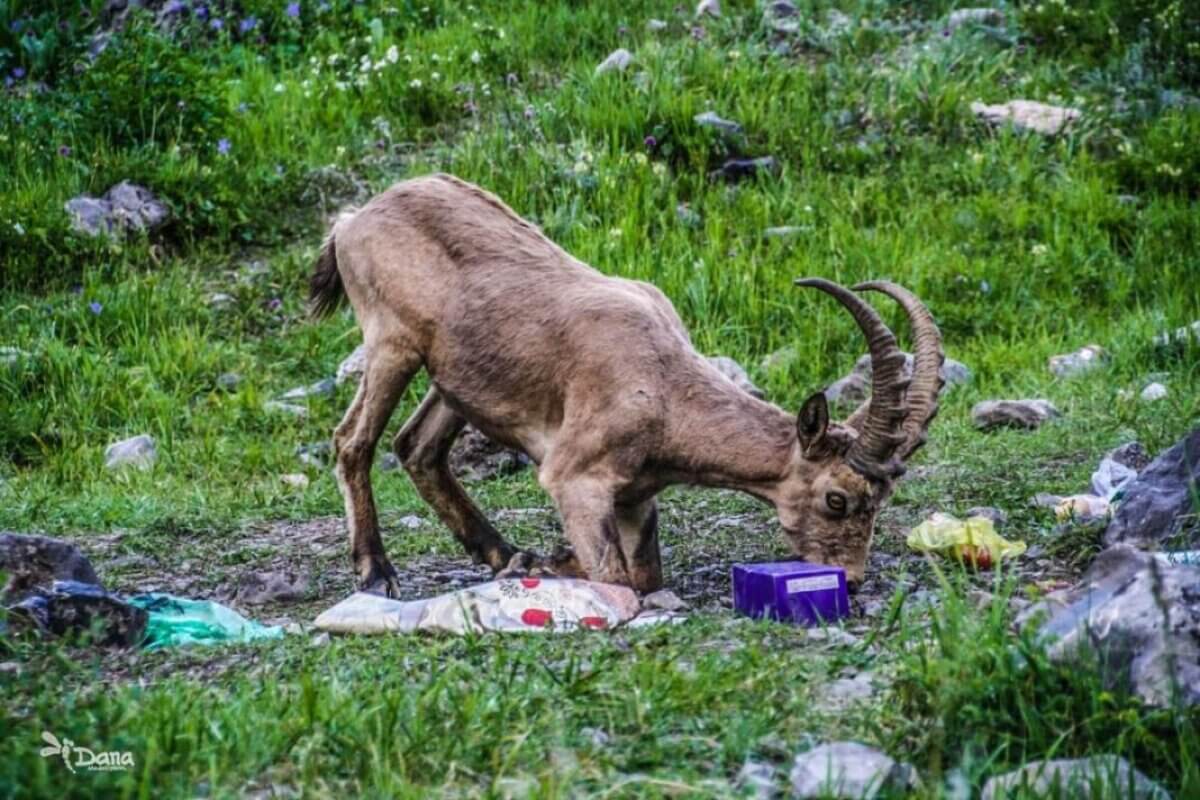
{"points": [[594, 377]]}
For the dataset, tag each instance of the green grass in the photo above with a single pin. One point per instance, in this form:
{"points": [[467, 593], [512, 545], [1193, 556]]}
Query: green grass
{"points": [[1023, 248]]}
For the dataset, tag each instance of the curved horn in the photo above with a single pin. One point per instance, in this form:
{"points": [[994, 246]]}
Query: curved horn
{"points": [[928, 357], [880, 436]]}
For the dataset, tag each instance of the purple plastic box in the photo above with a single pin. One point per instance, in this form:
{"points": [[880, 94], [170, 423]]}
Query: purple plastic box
{"points": [[792, 591]]}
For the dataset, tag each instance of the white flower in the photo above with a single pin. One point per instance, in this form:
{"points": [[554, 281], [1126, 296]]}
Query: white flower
{"points": [[435, 58], [415, 83], [475, 57], [393, 54], [278, 88], [19, 229], [435, 76], [1039, 249]]}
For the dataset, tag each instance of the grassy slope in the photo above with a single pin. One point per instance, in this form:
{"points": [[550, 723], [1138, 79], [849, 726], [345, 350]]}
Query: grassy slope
{"points": [[1020, 245]]}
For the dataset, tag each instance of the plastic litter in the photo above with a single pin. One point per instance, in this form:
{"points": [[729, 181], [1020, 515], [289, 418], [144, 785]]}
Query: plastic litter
{"points": [[1110, 478], [1082, 508], [973, 541], [529, 605], [178, 621]]}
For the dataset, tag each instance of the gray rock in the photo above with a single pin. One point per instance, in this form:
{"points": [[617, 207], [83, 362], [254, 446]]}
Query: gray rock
{"points": [[735, 372], [784, 231], [1028, 414], [1159, 506], [11, 356], [353, 366], [36, 562], [710, 8], [1141, 615], [296, 480], [71, 608], [390, 462], [476, 457], [845, 692], [276, 407], [655, 25], [322, 388], [687, 215], [849, 770], [665, 600], [1085, 359], [710, 119], [317, 454], [757, 778], [736, 169], [125, 207], [850, 390], [1153, 391], [953, 372], [1132, 455], [259, 588], [411, 521], [618, 61], [1096, 776], [974, 16], [1028, 115], [997, 516], [220, 300], [138, 451], [229, 381], [781, 9]]}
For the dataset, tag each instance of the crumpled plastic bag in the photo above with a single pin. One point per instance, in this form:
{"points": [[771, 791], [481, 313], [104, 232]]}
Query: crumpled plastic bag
{"points": [[180, 621], [534, 605], [1084, 508], [1110, 478], [973, 541]]}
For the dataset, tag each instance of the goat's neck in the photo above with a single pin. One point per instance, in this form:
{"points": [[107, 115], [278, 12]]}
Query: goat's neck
{"points": [[725, 438]]}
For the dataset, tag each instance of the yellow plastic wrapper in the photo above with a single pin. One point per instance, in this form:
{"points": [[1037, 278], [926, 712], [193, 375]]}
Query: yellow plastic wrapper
{"points": [[973, 542]]}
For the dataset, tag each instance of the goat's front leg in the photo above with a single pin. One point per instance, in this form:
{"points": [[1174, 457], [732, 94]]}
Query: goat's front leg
{"points": [[423, 446], [354, 442], [590, 523], [638, 527]]}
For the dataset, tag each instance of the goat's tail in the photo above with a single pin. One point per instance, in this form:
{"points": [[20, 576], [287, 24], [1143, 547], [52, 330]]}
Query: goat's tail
{"points": [[325, 290]]}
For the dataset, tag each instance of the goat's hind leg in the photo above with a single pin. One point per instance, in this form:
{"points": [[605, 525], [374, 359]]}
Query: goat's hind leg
{"points": [[423, 446], [388, 373]]}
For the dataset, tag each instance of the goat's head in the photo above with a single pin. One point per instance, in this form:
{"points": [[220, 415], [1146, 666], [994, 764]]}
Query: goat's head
{"points": [[841, 474]]}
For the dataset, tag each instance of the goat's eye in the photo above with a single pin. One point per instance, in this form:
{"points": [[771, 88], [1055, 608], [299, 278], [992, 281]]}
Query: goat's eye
{"points": [[836, 502]]}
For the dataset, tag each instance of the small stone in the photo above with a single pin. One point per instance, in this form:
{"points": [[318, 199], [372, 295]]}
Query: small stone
{"points": [[597, 736], [220, 300], [1184, 335], [953, 372], [138, 451], [655, 25], [1096, 776], [297, 480], [781, 9], [317, 455], [1154, 391], [687, 216], [322, 639], [849, 770], [229, 381], [710, 119], [617, 60], [274, 406], [1132, 455], [845, 692], [974, 16], [850, 390], [784, 231], [1082, 360], [353, 366], [711, 8], [10, 668], [664, 599], [411, 521], [390, 462], [1028, 414], [1028, 115], [736, 373], [736, 169], [125, 207], [322, 388], [997, 517], [758, 778], [833, 637], [11, 356], [1045, 500], [259, 588]]}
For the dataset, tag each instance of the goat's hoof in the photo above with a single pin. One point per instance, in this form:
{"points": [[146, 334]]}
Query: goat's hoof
{"points": [[562, 563], [380, 579]]}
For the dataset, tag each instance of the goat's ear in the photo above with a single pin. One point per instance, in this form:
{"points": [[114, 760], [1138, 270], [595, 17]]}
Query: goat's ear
{"points": [[812, 423]]}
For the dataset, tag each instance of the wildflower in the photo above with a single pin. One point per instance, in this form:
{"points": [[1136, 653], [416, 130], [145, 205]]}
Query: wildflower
{"points": [[511, 79], [293, 10], [435, 76], [64, 150], [650, 142], [248, 24], [95, 307], [415, 83], [18, 72], [278, 88], [470, 107], [529, 112], [217, 23], [201, 12], [1039, 249], [393, 54], [19, 228], [274, 304], [659, 169], [614, 233], [475, 57], [641, 160], [223, 146]]}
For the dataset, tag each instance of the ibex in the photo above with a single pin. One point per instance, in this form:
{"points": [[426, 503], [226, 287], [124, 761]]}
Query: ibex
{"points": [[596, 379]]}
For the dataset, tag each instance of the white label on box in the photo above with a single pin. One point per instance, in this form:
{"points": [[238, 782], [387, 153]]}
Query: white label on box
{"points": [[813, 584]]}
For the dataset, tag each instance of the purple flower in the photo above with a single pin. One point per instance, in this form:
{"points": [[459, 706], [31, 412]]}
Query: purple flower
{"points": [[293, 10], [16, 25], [95, 307], [530, 113], [274, 304], [8, 81], [223, 147], [201, 12], [64, 150], [174, 7], [650, 142], [248, 24], [242, 108], [18, 72], [217, 23]]}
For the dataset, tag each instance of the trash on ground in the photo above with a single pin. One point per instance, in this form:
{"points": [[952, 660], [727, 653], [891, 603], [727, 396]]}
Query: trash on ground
{"points": [[1110, 477], [75, 608], [552, 605], [1083, 508], [791, 591], [973, 542], [177, 621]]}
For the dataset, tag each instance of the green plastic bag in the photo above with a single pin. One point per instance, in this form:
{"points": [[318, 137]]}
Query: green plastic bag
{"points": [[179, 621]]}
